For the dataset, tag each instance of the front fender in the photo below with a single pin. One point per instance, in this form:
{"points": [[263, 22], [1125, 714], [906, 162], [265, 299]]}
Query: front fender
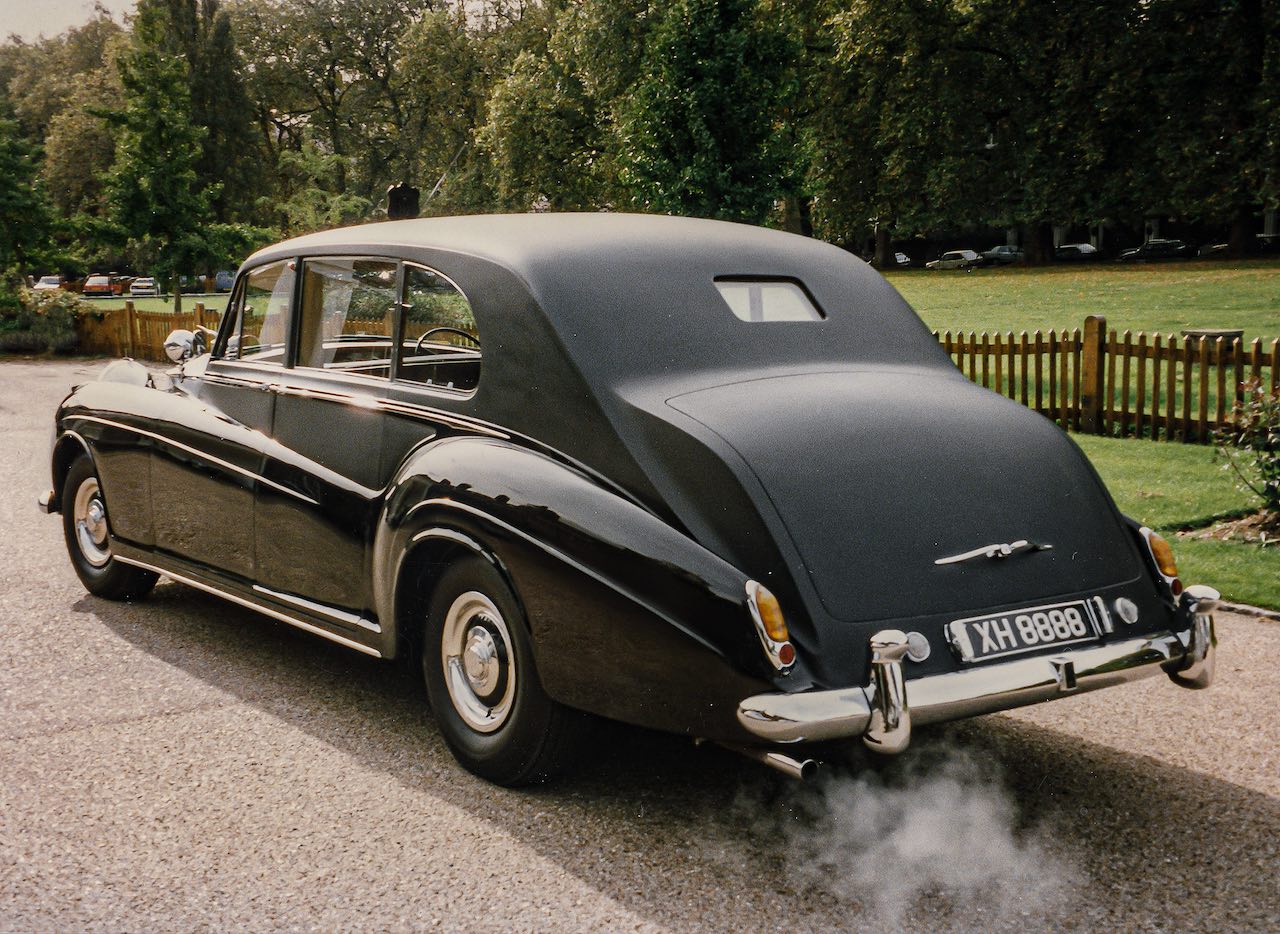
{"points": [[629, 617]]}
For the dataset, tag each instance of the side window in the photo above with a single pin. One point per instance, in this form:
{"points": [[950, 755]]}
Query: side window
{"points": [[262, 309], [348, 315], [440, 345]]}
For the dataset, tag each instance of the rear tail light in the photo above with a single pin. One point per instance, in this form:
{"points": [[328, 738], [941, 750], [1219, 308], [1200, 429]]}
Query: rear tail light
{"points": [[771, 626], [1162, 554]]}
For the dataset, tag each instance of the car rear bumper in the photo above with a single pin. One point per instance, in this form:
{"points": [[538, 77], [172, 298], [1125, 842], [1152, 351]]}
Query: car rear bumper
{"points": [[883, 712]]}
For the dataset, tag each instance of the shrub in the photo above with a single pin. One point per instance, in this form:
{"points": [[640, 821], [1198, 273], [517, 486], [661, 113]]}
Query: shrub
{"points": [[40, 321], [1251, 442]]}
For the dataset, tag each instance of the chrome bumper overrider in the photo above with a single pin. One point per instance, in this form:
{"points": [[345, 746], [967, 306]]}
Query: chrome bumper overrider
{"points": [[883, 711], [45, 502]]}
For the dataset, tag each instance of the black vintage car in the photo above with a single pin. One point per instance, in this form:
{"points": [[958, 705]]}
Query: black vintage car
{"points": [[692, 475], [1154, 250]]}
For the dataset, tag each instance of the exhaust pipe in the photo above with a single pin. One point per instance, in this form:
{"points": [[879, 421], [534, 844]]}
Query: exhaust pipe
{"points": [[800, 769]]}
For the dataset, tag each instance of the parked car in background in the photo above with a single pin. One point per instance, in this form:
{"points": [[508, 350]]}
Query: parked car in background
{"points": [[956, 259], [901, 259], [552, 460], [1003, 255], [143, 286], [191, 285], [1269, 243], [50, 284], [97, 286], [1075, 253], [1157, 250], [223, 280]]}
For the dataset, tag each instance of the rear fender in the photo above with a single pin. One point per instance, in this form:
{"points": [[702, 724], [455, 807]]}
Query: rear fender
{"points": [[628, 616]]}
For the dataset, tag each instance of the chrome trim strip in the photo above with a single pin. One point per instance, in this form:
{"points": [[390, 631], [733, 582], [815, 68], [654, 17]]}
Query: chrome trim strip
{"points": [[249, 604], [413, 410], [204, 454], [1104, 616], [320, 609], [998, 550], [847, 712]]}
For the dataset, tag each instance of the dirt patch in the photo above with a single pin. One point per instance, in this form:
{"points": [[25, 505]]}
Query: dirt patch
{"points": [[1262, 528]]}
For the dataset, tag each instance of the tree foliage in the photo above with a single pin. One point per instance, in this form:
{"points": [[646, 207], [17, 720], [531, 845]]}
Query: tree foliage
{"points": [[24, 216], [698, 130], [856, 119]]}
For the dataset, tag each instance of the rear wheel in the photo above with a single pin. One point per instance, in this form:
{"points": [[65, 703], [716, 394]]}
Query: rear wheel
{"points": [[84, 523], [477, 662]]}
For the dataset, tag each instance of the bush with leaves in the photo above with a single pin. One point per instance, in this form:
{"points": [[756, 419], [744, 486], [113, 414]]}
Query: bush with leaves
{"points": [[40, 322], [1251, 442]]}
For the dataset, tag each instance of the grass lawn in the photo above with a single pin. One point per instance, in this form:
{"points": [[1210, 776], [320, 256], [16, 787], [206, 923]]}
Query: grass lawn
{"points": [[1156, 297], [1177, 486], [213, 302]]}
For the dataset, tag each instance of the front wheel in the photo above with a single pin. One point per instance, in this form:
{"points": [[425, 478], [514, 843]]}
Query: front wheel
{"points": [[85, 526], [477, 662]]}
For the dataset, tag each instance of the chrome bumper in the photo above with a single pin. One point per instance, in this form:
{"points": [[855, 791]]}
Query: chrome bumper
{"points": [[883, 711], [45, 502]]}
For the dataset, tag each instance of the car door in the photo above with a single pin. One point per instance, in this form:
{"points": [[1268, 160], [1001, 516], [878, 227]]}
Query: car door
{"points": [[205, 471], [437, 366], [314, 513]]}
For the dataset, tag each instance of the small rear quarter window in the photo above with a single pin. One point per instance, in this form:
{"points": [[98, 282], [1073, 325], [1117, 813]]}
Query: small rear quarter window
{"points": [[768, 300]]}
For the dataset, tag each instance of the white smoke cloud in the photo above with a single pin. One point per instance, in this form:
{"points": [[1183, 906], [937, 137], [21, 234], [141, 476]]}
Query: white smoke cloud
{"points": [[933, 840]]}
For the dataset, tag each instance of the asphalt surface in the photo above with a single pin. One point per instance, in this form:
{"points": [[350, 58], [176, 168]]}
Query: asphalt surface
{"points": [[184, 764]]}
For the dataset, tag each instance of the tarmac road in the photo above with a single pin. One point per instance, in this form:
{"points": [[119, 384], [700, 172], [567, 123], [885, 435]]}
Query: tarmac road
{"points": [[184, 764]]}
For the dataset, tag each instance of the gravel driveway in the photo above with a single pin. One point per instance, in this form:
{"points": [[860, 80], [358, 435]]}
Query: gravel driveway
{"points": [[182, 763]]}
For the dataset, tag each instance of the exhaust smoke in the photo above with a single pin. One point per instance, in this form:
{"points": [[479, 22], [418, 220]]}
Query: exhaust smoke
{"points": [[933, 838]]}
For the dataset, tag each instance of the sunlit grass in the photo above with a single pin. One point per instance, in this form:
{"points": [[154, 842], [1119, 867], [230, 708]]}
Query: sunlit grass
{"points": [[213, 302], [1158, 297], [1175, 486]]}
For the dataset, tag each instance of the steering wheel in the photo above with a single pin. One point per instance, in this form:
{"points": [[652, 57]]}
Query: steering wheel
{"points": [[417, 348]]}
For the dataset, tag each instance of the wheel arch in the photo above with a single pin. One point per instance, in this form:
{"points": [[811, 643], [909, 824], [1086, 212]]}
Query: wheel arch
{"points": [[68, 446], [424, 559]]}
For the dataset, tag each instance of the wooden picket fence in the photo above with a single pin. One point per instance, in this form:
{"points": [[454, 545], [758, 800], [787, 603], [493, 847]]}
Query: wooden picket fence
{"points": [[1099, 381], [1092, 380], [127, 332]]}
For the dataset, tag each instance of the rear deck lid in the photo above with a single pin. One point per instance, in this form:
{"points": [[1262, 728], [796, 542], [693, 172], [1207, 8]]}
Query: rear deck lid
{"points": [[876, 475]]}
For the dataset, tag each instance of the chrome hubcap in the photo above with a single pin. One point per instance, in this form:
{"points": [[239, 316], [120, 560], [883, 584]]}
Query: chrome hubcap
{"points": [[479, 669], [89, 514]]}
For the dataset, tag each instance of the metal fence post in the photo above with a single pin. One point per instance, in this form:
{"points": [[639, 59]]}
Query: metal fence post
{"points": [[1093, 374]]}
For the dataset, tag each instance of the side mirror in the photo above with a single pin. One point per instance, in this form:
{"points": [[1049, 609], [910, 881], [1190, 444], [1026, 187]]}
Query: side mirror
{"points": [[179, 345]]}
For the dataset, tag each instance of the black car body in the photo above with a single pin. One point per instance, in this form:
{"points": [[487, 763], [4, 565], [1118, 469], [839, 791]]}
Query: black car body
{"points": [[1157, 250], [691, 475]]}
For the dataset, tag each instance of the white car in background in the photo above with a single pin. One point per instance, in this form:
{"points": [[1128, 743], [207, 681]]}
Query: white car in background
{"points": [[144, 285], [49, 284], [955, 259]]}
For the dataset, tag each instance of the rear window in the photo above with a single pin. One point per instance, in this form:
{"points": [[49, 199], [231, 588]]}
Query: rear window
{"points": [[768, 300], [97, 280]]}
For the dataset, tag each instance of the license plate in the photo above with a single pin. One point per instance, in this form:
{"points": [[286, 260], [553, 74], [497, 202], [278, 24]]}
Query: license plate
{"points": [[979, 638]]}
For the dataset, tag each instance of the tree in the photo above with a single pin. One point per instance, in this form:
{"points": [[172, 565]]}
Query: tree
{"points": [[698, 130], [24, 213], [897, 145], [79, 148], [156, 200], [313, 203], [1214, 144]]}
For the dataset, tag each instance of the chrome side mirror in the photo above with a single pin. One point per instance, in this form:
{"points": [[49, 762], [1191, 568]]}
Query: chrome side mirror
{"points": [[179, 345]]}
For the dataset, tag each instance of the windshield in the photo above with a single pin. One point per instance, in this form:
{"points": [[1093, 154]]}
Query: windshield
{"points": [[48, 280]]}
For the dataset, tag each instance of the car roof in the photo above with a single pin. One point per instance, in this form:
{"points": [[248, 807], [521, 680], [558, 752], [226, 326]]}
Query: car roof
{"points": [[631, 294]]}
